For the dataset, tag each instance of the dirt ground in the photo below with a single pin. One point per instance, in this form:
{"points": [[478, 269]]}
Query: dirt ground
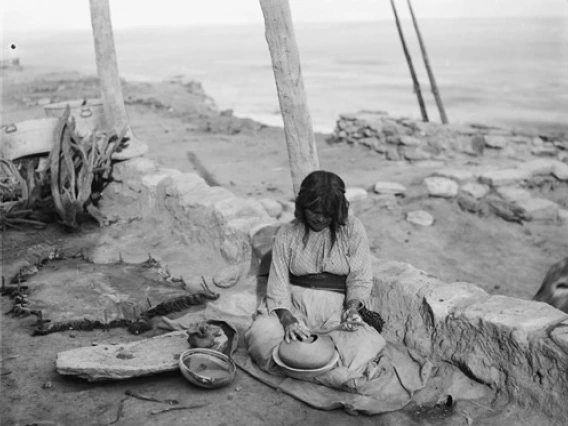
{"points": [[501, 257]]}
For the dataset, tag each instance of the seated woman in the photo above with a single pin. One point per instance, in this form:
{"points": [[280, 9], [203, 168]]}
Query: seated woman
{"points": [[320, 277]]}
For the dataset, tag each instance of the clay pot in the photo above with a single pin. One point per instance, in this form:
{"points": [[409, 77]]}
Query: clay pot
{"points": [[309, 354]]}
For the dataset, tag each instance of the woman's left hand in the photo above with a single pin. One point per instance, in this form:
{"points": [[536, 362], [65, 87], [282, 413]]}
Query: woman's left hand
{"points": [[349, 316]]}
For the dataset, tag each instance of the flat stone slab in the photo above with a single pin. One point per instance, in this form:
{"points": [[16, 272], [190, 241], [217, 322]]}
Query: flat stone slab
{"points": [[117, 362], [504, 177], [389, 188], [541, 166], [538, 209], [458, 175], [513, 194]]}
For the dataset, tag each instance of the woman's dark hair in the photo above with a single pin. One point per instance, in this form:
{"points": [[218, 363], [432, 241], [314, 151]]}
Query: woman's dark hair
{"points": [[324, 191]]}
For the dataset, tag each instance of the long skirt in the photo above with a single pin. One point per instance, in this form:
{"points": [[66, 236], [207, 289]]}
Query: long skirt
{"points": [[317, 309]]}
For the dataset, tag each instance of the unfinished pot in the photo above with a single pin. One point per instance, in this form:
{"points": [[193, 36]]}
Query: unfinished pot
{"points": [[311, 353], [303, 374], [30, 137], [89, 114]]}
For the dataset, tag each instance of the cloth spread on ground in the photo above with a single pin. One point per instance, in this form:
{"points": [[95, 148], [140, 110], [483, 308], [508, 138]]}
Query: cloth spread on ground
{"points": [[401, 376]]}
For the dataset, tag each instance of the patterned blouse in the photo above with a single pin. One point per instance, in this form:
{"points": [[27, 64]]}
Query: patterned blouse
{"points": [[350, 255]]}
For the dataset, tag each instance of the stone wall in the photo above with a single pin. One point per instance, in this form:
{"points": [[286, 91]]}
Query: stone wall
{"points": [[518, 347], [399, 138], [212, 217]]}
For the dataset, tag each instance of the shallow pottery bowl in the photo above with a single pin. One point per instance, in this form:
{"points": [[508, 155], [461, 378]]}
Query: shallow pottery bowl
{"points": [[207, 368], [308, 354], [298, 373]]}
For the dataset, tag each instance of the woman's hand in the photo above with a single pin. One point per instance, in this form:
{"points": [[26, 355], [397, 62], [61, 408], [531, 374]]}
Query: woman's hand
{"points": [[296, 331], [349, 316], [293, 329]]}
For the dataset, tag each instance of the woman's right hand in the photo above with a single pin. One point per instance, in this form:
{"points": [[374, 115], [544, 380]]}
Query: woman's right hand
{"points": [[296, 331]]}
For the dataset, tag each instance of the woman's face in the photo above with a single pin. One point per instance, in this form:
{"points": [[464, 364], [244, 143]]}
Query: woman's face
{"points": [[317, 219]]}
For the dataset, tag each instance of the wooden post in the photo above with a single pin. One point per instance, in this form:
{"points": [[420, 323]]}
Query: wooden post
{"points": [[410, 66], [433, 84], [107, 69], [298, 130]]}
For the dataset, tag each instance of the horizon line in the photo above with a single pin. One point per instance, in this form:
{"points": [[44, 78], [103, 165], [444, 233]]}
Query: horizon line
{"points": [[261, 24]]}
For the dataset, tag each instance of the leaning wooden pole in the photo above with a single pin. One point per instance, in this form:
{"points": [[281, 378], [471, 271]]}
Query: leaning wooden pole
{"points": [[298, 130], [410, 66], [107, 69], [433, 84]]}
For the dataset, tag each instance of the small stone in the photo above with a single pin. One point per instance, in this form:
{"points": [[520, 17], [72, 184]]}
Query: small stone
{"points": [[475, 190], [420, 217], [560, 171], [354, 194], [228, 277], [477, 145], [411, 141], [415, 154], [496, 142], [368, 142], [238, 388], [441, 187], [392, 154], [72, 335], [472, 205], [47, 385], [389, 188]]}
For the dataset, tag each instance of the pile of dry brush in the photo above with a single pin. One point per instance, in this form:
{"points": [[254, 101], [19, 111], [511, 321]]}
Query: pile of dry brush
{"points": [[65, 185]]}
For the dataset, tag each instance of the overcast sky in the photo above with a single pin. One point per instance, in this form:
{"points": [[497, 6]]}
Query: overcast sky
{"points": [[53, 15]]}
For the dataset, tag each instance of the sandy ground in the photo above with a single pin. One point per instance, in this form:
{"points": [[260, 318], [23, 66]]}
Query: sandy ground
{"points": [[501, 257]]}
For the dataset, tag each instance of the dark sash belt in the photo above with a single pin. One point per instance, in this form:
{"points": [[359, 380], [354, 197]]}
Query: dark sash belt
{"points": [[333, 282], [322, 281]]}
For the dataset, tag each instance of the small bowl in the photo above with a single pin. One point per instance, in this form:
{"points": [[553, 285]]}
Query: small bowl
{"points": [[298, 373], [207, 368]]}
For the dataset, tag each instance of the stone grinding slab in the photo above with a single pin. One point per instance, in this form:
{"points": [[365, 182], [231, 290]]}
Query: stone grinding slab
{"points": [[116, 362]]}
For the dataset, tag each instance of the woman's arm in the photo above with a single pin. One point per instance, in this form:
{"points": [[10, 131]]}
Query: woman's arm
{"points": [[278, 296], [360, 277]]}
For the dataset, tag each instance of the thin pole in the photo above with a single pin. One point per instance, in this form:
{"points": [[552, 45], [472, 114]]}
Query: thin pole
{"points": [[410, 66], [285, 56], [433, 84]]}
